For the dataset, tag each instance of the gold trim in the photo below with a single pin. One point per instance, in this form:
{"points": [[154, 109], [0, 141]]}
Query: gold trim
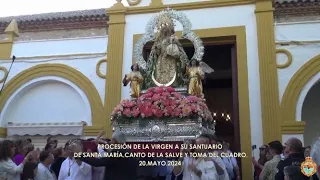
{"points": [[103, 76], [294, 88], [12, 31], [293, 128], [156, 3], [166, 85], [156, 7], [115, 61], [5, 74], [3, 132], [133, 2], [289, 60], [92, 130], [269, 90], [239, 33], [65, 72]]}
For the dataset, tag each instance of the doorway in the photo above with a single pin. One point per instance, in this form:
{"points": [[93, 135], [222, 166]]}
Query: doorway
{"points": [[310, 114], [220, 88]]}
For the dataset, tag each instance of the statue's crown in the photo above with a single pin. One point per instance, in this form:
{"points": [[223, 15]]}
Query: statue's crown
{"points": [[164, 19]]}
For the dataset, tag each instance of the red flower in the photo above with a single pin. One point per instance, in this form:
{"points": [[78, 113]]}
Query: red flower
{"points": [[177, 112]]}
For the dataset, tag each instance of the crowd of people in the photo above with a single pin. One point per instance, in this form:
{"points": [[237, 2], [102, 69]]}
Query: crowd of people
{"points": [[19, 160], [278, 162]]}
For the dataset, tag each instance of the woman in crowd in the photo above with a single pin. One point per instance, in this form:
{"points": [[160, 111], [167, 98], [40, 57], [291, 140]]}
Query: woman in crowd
{"points": [[23, 147], [30, 170], [258, 165], [7, 167], [307, 151]]}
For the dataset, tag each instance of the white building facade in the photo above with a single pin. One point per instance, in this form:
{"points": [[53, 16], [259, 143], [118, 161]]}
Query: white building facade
{"points": [[69, 66]]}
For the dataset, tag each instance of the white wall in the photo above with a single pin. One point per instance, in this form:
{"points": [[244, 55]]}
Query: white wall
{"points": [[79, 53], [47, 99], [305, 31], [311, 114], [219, 17]]}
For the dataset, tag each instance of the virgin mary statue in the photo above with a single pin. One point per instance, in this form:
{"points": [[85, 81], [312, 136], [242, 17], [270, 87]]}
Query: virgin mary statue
{"points": [[167, 55]]}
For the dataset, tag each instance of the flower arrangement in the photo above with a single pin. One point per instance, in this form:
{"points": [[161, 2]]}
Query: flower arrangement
{"points": [[162, 103]]}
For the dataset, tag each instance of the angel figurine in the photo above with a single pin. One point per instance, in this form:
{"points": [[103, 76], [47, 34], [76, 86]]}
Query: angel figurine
{"points": [[135, 78], [196, 72]]}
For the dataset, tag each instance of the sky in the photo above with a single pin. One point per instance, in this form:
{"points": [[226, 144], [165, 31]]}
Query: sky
{"points": [[26, 7]]}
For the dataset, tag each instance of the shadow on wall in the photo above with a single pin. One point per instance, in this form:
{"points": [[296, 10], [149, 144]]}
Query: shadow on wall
{"points": [[311, 114]]}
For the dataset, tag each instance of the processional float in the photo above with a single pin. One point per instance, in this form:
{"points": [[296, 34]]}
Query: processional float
{"points": [[167, 102]]}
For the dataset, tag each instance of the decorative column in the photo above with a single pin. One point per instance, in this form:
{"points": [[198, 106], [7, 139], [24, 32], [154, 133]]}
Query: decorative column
{"points": [[156, 3], [12, 31], [270, 107], [115, 60]]}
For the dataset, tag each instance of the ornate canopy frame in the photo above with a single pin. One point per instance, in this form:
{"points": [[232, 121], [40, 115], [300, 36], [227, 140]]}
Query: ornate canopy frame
{"points": [[149, 35]]}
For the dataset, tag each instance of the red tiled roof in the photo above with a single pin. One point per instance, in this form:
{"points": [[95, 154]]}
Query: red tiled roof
{"points": [[95, 18], [297, 8]]}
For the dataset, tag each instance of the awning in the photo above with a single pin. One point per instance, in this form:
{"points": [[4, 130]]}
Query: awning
{"points": [[43, 129]]}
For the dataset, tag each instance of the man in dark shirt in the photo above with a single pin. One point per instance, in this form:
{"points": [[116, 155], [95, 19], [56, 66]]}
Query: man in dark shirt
{"points": [[293, 150], [115, 168]]}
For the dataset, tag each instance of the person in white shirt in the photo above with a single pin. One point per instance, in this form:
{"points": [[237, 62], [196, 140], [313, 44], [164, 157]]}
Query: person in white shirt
{"points": [[202, 168], [72, 169], [8, 169], [44, 173]]}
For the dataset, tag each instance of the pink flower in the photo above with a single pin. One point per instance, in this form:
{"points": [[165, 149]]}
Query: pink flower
{"points": [[177, 95], [168, 111], [128, 103], [150, 90], [158, 90], [170, 89], [165, 94], [148, 95], [177, 112], [159, 113], [148, 103], [127, 112], [186, 111], [156, 97], [145, 111], [193, 107], [135, 112], [193, 98], [167, 102]]}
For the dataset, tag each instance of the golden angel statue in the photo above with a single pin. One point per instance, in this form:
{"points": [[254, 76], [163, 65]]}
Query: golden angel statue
{"points": [[196, 73], [167, 54], [135, 78]]}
